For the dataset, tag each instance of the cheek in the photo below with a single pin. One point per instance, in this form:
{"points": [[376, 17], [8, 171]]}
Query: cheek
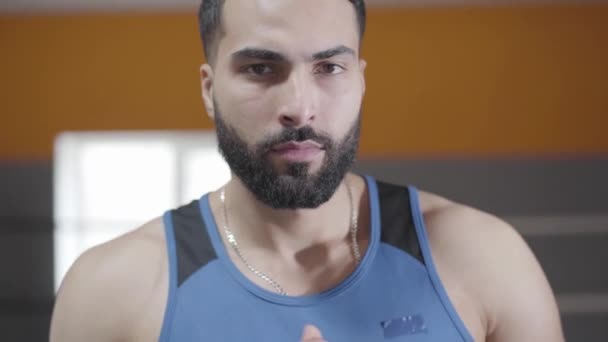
{"points": [[340, 106], [247, 109]]}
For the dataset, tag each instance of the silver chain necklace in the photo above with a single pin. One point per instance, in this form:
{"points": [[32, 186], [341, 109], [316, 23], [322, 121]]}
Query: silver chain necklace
{"points": [[278, 288]]}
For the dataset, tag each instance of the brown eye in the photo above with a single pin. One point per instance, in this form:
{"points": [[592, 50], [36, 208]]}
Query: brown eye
{"points": [[258, 69], [330, 69]]}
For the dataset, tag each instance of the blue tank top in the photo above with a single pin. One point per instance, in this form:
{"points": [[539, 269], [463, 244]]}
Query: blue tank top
{"points": [[394, 294]]}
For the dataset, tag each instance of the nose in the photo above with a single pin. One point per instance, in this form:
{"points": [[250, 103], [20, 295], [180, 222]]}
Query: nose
{"points": [[297, 100]]}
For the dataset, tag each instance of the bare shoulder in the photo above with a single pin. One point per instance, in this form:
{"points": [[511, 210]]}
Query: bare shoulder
{"points": [[454, 225], [112, 288], [486, 265]]}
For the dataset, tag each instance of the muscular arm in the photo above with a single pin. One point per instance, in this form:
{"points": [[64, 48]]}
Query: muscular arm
{"points": [[522, 302], [487, 260], [109, 291]]}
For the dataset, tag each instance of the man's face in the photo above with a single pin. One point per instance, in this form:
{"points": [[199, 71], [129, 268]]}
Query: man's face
{"points": [[289, 84]]}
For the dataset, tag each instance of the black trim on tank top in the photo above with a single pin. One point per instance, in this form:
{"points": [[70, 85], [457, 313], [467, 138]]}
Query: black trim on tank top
{"points": [[194, 248], [192, 243], [397, 222]]}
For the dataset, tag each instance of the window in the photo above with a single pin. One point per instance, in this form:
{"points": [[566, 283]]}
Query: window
{"points": [[107, 183]]}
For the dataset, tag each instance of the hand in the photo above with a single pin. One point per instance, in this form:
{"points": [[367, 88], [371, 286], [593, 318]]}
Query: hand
{"points": [[312, 334]]}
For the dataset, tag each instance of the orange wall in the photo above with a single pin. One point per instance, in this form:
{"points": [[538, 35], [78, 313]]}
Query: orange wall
{"points": [[441, 81]]}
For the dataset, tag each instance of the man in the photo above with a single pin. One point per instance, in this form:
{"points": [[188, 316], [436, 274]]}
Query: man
{"points": [[295, 247]]}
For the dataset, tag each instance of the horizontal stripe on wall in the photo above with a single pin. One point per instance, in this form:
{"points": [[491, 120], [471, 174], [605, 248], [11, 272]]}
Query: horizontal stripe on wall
{"points": [[587, 303], [523, 187], [507, 187]]}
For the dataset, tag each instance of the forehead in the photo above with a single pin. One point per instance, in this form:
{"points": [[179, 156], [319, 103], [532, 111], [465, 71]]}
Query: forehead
{"points": [[288, 26]]}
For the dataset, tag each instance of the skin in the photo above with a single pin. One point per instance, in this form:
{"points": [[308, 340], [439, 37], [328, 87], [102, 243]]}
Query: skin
{"points": [[312, 334], [492, 278]]}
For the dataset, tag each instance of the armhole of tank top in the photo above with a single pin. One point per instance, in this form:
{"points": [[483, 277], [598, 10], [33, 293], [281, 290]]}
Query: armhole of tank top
{"points": [[430, 266], [165, 331]]}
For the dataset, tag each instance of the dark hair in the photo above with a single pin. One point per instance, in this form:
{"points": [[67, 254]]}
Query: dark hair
{"points": [[210, 23]]}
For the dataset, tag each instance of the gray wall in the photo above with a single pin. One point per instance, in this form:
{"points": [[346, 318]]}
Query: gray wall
{"points": [[26, 251], [560, 206]]}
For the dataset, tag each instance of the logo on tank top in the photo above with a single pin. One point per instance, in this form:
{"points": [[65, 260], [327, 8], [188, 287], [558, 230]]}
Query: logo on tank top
{"points": [[406, 325]]}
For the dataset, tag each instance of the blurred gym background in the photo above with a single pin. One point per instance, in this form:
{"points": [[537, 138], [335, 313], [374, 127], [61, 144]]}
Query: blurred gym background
{"points": [[499, 104]]}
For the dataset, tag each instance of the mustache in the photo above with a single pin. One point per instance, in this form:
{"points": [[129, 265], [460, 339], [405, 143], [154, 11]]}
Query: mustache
{"points": [[295, 135]]}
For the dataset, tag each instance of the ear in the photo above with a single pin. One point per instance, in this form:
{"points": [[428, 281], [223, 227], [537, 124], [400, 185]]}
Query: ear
{"points": [[362, 66], [206, 74]]}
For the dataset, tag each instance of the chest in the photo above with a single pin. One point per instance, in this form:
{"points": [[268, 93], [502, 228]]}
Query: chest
{"points": [[393, 300]]}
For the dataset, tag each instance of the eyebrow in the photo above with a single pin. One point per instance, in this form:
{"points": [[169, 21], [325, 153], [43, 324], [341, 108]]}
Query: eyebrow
{"points": [[261, 54], [273, 56], [329, 53]]}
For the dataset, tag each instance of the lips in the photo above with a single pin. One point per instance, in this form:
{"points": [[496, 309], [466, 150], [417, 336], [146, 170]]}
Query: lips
{"points": [[292, 145], [305, 151]]}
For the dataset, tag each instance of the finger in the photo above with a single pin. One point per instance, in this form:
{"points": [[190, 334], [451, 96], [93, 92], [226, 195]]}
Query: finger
{"points": [[311, 334]]}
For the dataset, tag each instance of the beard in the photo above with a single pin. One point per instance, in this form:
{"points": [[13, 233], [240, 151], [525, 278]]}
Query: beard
{"points": [[296, 188]]}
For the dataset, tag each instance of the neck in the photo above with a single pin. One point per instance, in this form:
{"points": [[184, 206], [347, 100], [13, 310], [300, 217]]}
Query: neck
{"points": [[285, 232]]}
